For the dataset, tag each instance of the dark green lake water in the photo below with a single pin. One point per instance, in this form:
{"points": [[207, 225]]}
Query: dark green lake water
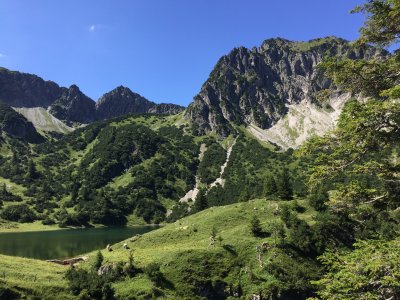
{"points": [[59, 244]]}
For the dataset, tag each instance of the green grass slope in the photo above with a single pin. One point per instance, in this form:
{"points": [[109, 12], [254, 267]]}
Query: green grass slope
{"points": [[192, 268], [196, 269], [33, 278]]}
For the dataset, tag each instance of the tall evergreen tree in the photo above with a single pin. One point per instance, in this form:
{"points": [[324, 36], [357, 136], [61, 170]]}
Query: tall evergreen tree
{"points": [[284, 185], [32, 173], [201, 202], [270, 186]]}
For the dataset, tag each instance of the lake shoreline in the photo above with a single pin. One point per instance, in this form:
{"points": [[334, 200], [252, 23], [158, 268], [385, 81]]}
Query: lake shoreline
{"points": [[37, 226], [65, 243]]}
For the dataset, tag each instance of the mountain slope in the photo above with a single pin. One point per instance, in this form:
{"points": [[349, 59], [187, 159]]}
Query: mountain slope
{"points": [[16, 125], [302, 121], [166, 109], [70, 105], [26, 90], [122, 100], [43, 120], [254, 86], [73, 107]]}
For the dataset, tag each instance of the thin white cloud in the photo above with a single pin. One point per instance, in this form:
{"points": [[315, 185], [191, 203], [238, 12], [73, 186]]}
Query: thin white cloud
{"points": [[97, 27], [2, 55]]}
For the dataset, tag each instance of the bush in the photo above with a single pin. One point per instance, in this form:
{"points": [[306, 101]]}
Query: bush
{"points": [[318, 199], [154, 273], [98, 261], [82, 282], [48, 221], [7, 196], [18, 213], [255, 226]]}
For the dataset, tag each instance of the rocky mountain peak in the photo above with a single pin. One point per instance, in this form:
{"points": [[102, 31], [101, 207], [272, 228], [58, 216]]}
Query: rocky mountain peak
{"points": [[122, 100], [27, 90], [255, 86], [73, 107], [74, 89], [33, 95]]}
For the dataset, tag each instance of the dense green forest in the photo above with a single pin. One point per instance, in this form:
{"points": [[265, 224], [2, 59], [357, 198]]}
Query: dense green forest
{"points": [[105, 172]]}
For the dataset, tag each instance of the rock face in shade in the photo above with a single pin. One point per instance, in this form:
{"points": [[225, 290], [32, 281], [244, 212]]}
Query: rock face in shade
{"points": [[15, 124], [166, 109], [254, 86], [74, 107], [122, 101], [27, 90]]}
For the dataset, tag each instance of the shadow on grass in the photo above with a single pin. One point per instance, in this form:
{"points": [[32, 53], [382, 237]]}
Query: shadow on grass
{"points": [[165, 283], [230, 249]]}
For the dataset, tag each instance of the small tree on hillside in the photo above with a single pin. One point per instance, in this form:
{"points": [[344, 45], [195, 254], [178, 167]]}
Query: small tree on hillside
{"points": [[4, 190], [129, 267], [98, 261], [32, 173], [284, 186], [270, 186], [255, 226], [201, 202], [213, 236]]}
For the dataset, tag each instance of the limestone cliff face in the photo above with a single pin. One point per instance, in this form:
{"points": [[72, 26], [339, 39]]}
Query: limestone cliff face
{"points": [[122, 100], [74, 107], [254, 86]]}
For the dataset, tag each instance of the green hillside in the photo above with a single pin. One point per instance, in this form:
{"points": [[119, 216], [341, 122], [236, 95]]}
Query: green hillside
{"points": [[191, 266], [133, 170]]}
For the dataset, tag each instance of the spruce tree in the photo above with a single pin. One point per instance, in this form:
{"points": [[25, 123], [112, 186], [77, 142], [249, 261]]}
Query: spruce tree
{"points": [[284, 185], [201, 202], [270, 186], [98, 261]]}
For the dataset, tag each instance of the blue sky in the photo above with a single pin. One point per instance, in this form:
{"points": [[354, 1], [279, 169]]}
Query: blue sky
{"points": [[162, 49]]}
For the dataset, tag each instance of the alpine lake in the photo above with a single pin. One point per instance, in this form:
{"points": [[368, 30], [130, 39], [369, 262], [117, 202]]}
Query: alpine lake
{"points": [[67, 243]]}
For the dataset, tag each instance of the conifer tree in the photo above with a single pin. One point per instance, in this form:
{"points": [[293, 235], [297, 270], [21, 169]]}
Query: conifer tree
{"points": [[284, 185], [201, 202]]}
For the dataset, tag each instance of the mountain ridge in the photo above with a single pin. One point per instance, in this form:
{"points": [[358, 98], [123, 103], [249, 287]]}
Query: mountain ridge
{"points": [[256, 87], [253, 86], [24, 90]]}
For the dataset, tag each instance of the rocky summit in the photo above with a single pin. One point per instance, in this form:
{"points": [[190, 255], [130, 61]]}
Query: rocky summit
{"points": [[70, 105], [27, 90], [122, 100], [255, 86], [74, 107]]}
